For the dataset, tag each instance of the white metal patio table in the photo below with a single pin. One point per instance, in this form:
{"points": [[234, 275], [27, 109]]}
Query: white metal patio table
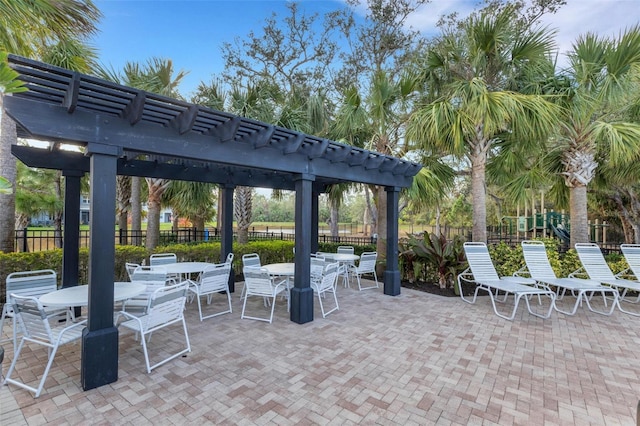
{"points": [[79, 295]]}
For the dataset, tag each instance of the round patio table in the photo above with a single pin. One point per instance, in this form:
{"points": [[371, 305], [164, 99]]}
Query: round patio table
{"points": [[79, 295]]}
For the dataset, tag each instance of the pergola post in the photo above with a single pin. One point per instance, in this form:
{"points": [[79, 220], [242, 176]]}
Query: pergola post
{"points": [[392, 273], [71, 231], [100, 337], [314, 220], [226, 239], [302, 293]]}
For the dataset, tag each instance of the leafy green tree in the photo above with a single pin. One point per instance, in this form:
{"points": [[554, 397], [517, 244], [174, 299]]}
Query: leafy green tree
{"points": [[156, 76], [191, 200], [473, 70], [26, 26], [602, 71]]}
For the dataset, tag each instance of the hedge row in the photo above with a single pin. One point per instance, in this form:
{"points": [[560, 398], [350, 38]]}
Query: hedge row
{"points": [[269, 251]]}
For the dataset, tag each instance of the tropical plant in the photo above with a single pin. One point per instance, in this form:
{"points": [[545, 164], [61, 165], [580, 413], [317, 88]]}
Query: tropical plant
{"points": [[602, 72], [25, 28], [470, 73], [446, 257]]}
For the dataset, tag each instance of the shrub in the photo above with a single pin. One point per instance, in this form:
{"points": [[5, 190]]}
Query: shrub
{"points": [[445, 258]]}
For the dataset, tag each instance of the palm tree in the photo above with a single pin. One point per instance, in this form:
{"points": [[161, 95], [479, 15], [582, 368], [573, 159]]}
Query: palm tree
{"points": [[191, 200], [156, 76], [602, 72], [25, 27], [472, 72], [73, 55]]}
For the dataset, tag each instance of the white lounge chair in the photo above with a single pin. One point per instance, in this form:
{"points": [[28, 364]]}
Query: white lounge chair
{"points": [[539, 268], [596, 268], [482, 272]]}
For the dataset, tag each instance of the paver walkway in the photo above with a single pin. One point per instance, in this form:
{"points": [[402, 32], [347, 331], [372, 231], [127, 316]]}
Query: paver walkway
{"points": [[415, 359]]}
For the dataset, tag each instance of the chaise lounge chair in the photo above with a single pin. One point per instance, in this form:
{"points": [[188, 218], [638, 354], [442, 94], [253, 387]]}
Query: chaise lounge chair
{"points": [[596, 267], [482, 272], [539, 268]]}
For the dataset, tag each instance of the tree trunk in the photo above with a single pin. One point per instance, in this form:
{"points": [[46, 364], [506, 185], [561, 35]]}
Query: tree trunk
{"points": [[8, 170], [333, 218], [136, 211], [57, 214], [156, 189], [123, 205], [578, 213], [242, 208], [381, 206], [479, 197]]}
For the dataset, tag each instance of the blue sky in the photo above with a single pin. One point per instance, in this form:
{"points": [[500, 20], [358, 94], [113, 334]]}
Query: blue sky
{"points": [[191, 32]]}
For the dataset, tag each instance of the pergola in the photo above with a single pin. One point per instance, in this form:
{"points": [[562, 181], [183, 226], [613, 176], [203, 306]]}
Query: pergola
{"points": [[125, 131]]}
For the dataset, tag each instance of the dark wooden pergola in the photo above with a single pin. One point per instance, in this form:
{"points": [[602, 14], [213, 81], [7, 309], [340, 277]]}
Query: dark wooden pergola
{"points": [[125, 131]]}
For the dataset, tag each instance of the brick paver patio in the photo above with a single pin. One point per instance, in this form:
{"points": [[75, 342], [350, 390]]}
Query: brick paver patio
{"points": [[415, 359]]}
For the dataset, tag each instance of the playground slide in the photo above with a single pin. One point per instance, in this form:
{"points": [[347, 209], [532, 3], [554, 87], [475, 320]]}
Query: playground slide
{"points": [[560, 232]]}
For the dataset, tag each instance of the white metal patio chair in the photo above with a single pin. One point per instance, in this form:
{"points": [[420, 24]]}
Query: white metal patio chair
{"points": [[482, 272], [154, 277], [165, 308], [158, 259], [348, 266], [539, 268], [213, 280], [251, 260], [258, 282], [41, 328], [29, 283], [130, 267], [366, 266], [596, 268], [327, 284]]}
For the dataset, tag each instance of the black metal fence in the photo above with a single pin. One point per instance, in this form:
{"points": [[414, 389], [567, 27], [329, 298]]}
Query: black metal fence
{"points": [[34, 239]]}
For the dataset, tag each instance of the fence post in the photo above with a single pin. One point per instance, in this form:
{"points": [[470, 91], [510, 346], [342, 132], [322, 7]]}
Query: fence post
{"points": [[25, 246]]}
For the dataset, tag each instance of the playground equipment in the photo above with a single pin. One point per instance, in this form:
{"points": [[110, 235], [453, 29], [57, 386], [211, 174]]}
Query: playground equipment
{"points": [[550, 224]]}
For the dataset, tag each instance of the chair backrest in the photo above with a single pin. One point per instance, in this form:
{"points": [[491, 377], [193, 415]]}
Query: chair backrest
{"points": [[480, 262], [166, 305], [346, 250], [593, 262], [367, 261], [153, 277], [32, 318], [317, 266], [229, 258], [535, 256], [251, 259], [631, 254], [31, 283], [329, 277], [130, 267], [162, 259], [215, 278], [257, 281]]}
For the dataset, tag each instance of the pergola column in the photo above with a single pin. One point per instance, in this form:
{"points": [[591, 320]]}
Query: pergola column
{"points": [[392, 273], [226, 238], [302, 293], [100, 337], [314, 220], [71, 230]]}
